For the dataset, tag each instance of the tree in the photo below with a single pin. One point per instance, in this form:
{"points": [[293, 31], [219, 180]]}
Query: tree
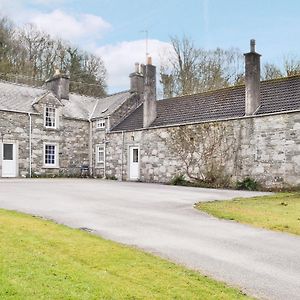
{"points": [[167, 82], [291, 66], [40, 52], [189, 69], [30, 56], [10, 49], [87, 72], [271, 71]]}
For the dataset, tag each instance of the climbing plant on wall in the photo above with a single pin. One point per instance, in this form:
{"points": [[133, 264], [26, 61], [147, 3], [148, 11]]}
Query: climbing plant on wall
{"points": [[207, 151]]}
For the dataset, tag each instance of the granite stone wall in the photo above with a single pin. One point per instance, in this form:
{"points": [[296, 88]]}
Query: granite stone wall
{"points": [[98, 138], [14, 128], [266, 148], [99, 135], [72, 138]]}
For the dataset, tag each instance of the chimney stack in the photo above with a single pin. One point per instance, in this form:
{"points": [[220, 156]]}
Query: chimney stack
{"points": [[149, 94], [252, 80], [137, 80], [59, 85]]}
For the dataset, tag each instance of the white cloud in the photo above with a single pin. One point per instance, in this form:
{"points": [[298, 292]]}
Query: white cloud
{"points": [[119, 59], [73, 28], [9, 8], [86, 30], [78, 28]]}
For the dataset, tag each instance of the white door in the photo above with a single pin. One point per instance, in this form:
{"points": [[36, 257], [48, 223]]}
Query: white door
{"points": [[134, 164], [9, 165]]}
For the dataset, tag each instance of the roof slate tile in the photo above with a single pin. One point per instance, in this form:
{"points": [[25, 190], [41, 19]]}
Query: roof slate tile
{"points": [[19, 97], [276, 96]]}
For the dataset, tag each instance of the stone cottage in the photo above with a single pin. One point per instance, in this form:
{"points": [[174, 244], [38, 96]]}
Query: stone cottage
{"points": [[250, 130], [49, 131]]}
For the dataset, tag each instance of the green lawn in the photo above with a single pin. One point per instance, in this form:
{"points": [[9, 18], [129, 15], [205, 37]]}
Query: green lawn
{"points": [[279, 212], [42, 260]]}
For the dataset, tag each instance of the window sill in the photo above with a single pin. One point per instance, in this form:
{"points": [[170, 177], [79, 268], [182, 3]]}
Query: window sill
{"points": [[50, 167], [51, 128]]}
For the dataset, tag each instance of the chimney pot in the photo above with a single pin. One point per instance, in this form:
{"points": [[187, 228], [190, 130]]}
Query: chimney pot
{"points": [[137, 67], [149, 60], [57, 72], [142, 69], [137, 81], [252, 45]]}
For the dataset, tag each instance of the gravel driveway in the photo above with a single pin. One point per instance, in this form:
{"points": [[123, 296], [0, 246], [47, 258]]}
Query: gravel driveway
{"points": [[161, 219]]}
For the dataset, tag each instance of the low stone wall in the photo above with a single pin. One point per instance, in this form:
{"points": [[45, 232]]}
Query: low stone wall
{"points": [[265, 148]]}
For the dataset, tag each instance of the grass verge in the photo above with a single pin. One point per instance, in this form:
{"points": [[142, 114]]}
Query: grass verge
{"points": [[279, 212], [42, 260]]}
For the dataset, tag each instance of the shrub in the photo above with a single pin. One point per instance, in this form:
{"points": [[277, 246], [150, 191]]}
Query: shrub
{"points": [[111, 177], [179, 180], [248, 184]]}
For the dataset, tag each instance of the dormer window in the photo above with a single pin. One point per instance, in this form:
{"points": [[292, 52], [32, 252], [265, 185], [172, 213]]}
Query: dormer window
{"points": [[100, 124], [50, 117]]}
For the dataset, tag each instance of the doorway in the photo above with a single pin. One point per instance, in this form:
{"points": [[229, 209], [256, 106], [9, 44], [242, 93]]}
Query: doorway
{"points": [[134, 163], [9, 160]]}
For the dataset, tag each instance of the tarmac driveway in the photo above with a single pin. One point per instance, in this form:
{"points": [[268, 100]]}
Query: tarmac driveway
{"points": [[161, 219]]}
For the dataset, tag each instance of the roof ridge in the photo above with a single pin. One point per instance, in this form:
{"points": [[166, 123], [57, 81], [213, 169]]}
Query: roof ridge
{"points": [[41, 87], [111, 104], [121, 92], [232, 87], [86, 96], [98, 98], [23, 84], [281, 78]]}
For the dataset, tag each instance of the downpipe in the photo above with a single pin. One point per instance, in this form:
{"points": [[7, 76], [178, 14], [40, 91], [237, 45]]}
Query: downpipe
{"points": [[30, 145], [122, 158], [91, 147]]}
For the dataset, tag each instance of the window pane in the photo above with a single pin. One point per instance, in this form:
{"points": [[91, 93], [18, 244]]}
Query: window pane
{"points": [[100, 154], [8, 152], [50, 117], [50, 154], [101, 124], [135, 155]]}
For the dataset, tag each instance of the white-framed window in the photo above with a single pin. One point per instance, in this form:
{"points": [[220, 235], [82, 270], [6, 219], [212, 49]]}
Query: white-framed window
{"points": [[50, 117], [100, 124], [100, 154], [51, 155]]}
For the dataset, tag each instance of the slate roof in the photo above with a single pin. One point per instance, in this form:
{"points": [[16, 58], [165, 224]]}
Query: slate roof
{"points": [[78, 107], [16, 97], [109, 104], [19, 97], [277, 95]]}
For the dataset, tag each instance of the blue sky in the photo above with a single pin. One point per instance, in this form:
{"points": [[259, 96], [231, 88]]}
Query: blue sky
{"points": [[113, 29]]}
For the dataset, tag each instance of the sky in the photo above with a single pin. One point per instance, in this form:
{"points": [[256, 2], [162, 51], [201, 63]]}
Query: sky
{"points": [[116, 30]]}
